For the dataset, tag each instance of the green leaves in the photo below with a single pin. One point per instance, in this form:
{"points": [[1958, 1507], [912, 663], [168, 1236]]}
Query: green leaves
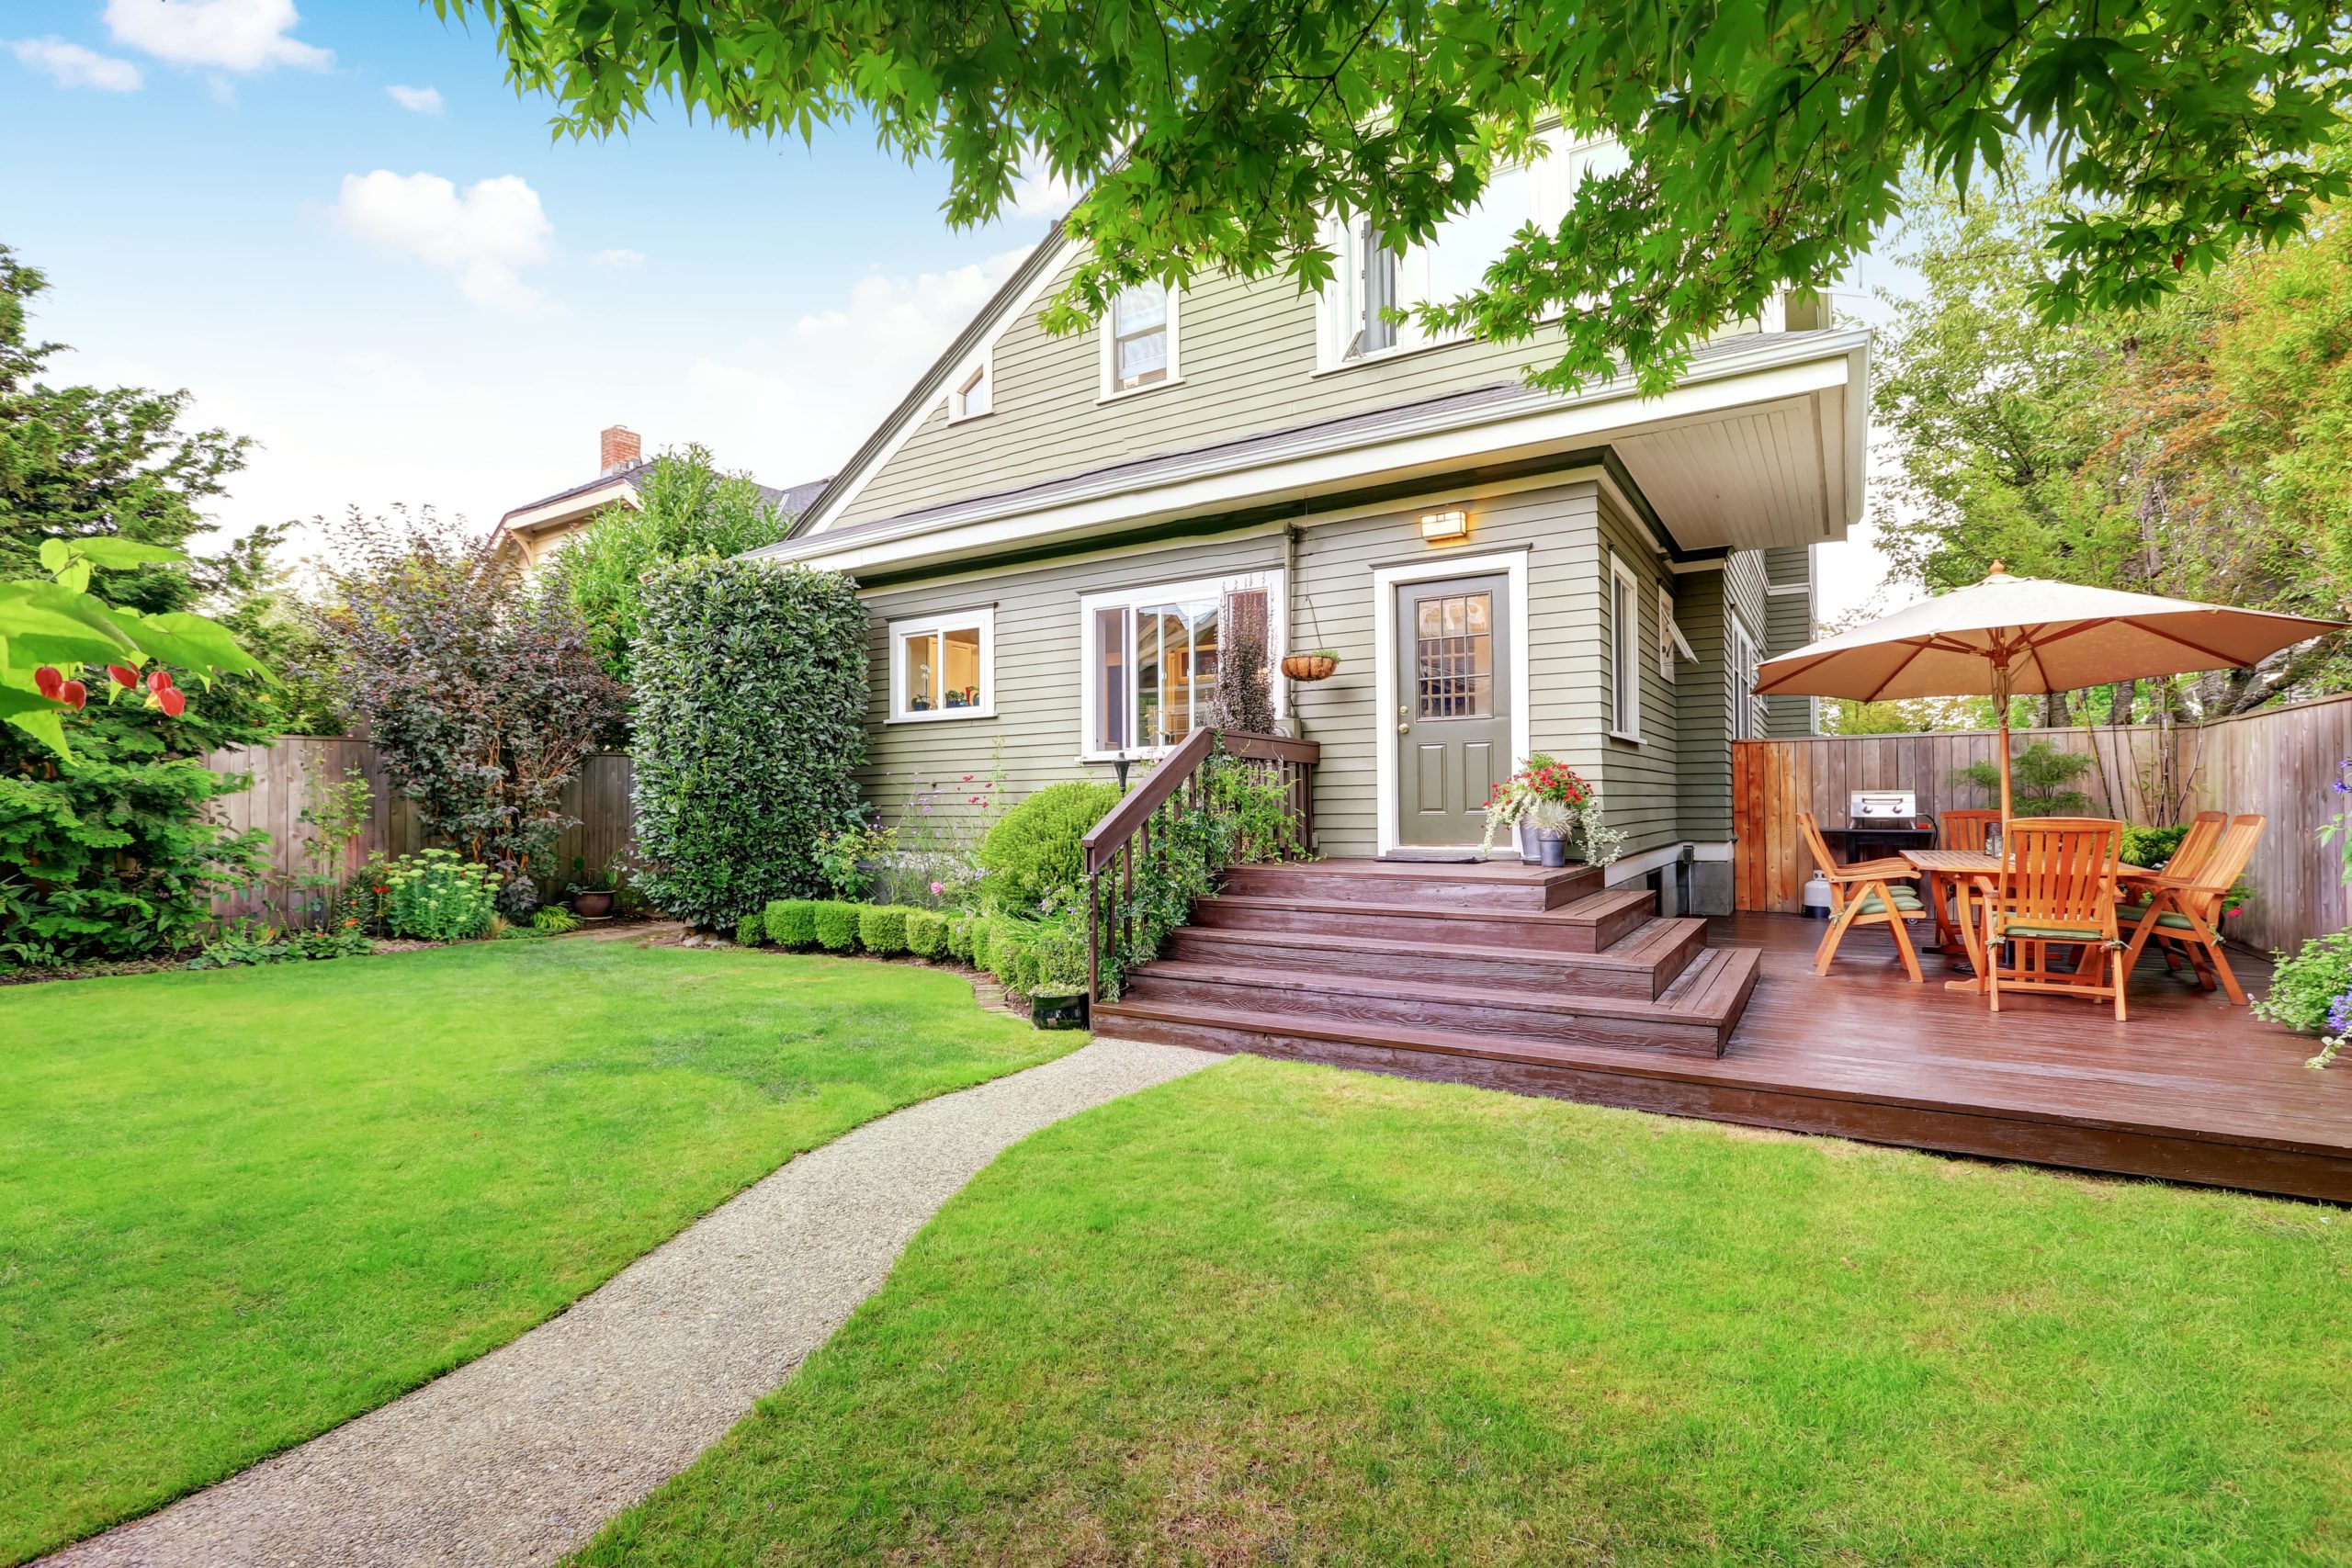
{"points": [[1766, 137]]}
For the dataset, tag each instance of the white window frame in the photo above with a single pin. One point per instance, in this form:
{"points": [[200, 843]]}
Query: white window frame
{"points": [[980, 373], [1746, 716], [940, 624], [1624, 651], [1107, 390], [1551, 187], [1669, 634], [1271, 582]]}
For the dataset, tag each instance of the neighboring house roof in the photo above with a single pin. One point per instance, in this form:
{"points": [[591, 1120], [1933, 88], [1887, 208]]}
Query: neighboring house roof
{"points": [[568, 503]]}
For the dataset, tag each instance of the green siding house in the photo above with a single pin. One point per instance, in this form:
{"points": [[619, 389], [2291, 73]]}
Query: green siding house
{"points": [[1050, 532]]}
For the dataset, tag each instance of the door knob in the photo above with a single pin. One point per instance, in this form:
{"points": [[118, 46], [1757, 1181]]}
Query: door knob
{"points": [[1403, 729]]}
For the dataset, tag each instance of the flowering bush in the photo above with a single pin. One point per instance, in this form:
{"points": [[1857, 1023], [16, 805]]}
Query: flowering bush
{"points": [[1553, 797], [437, 896]]}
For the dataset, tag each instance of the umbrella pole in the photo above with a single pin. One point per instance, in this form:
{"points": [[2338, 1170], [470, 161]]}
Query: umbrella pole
{"points": [[2001, 700]]}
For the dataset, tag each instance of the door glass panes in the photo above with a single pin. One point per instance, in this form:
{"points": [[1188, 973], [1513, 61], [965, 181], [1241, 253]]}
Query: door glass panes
{"points": [[1176, 653], [1139, 337], [922, 673], [1453, 643]]}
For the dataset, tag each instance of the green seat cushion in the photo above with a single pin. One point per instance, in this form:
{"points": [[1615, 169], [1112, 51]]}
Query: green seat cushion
{"points": [[2052, 934], [1904, 900], [2169, 921]]}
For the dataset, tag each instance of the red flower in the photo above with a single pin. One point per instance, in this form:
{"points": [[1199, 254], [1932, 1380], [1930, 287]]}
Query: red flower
{"points": [[172, 700], [159, 681], [49, 680], [124, 676], [73, 695]]}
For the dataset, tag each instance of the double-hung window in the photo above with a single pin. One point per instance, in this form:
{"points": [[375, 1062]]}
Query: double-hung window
{"points": [[1140, 340], [944, 666], [1624, 651], [1152, 656], [1747, 708]]}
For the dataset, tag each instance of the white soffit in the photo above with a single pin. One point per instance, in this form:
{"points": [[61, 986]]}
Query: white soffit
{"points": [[1753, 478]]}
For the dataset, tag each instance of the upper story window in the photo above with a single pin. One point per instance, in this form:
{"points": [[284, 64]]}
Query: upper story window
{"points": [[1372, 278], [944, 666], [973, 396], [1140, 340]]}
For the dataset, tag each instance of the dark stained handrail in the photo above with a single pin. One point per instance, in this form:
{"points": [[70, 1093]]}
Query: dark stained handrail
{"points": [[1124, 832]]}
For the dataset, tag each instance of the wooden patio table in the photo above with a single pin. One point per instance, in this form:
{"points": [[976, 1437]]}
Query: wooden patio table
{"points": [[1967, 871]]}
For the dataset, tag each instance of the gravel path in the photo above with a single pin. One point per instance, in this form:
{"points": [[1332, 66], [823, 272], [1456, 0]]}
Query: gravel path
{"points": [[518, 1457]]}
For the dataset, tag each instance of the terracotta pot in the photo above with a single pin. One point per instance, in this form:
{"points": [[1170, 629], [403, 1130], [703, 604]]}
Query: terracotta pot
{"points": [[592, 906], [1310, 666]]}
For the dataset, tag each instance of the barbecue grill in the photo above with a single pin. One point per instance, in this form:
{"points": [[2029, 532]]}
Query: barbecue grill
{"points": [[1882, 807]]}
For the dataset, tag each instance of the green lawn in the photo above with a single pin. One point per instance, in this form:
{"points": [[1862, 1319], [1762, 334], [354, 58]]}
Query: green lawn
{"points": [[1269, 1313], [238, 1208]]}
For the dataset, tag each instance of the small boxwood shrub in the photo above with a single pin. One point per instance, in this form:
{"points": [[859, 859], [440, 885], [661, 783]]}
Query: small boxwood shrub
{"points": [[751, 684], [982, 939], [926, 933], [882, 927], [959, 938], [1033, 852], [836, 925], [752, 930], [1008, 945], [792, 922]]}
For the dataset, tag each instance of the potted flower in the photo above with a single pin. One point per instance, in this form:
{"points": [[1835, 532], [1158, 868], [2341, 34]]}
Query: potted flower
{"points": [[592, 896], [1545, 801]]}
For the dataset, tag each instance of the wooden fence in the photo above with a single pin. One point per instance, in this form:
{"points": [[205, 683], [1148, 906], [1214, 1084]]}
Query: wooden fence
{"points": [[2279, 763], [598, 796]]}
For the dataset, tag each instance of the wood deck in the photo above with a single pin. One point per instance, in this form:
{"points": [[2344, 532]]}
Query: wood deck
{"points": [[2190, 1089]]}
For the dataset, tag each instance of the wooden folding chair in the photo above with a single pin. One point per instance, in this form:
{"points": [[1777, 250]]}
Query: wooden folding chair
{"points": [[1872, 892], [1962, 829], [2056, 889], [2186, 916], [2187, 860]]}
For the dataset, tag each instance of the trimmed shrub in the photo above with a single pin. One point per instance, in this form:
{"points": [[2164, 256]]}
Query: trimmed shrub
{"points": [[836, 925], [1008, 945], [882, 927], [792, 922], [959, 938], [752, 930], [983, 942], [926, 933], [750, 722], [1033, 852]]}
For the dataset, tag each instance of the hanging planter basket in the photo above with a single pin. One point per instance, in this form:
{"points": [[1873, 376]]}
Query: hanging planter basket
{"points": [[1310, 666]]}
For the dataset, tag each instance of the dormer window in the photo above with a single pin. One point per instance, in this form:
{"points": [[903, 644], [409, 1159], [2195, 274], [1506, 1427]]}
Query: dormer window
{"points": [[973, 396], [1139, 341]]}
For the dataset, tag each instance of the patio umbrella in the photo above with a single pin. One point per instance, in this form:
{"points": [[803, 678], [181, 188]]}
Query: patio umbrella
{"points": [[2007, 636]]}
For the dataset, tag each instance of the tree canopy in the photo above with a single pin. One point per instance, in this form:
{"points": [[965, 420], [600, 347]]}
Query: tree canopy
{"points": [[1766, 139]]}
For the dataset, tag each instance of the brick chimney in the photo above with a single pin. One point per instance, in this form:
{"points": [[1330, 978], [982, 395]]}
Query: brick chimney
{"points": [[618, 446]]}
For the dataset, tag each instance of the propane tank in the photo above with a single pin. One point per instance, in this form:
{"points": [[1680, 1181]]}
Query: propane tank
{"points": [[1817, 898]]}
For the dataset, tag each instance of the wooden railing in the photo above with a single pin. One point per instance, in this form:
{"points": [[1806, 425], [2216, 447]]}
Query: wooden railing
{"points": [[1171, 791]]}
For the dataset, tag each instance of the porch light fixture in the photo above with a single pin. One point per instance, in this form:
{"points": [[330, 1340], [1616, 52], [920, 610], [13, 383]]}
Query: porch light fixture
{"points": [[1444, 527]]}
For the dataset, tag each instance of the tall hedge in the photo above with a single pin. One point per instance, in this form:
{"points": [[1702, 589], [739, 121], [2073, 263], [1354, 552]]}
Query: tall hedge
{"points": [[751, 720]]}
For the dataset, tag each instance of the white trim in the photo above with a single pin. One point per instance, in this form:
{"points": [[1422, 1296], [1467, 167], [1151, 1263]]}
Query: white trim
{"points": [[1007, 309], [1441, 441], [1620, 872], [570, 508], [1624, 654], [984, 618], [1105, 392], [1670, 635], [1272, 581], [1385, 582], [1740, 651], [974, 372]]}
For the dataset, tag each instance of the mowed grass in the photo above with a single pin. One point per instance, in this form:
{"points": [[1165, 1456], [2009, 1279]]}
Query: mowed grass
{"points": [[239, 1208], [1272, 1313]]}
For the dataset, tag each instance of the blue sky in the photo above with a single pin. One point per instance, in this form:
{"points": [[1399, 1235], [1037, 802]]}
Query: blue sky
{"points": [[417, 294], [248, 221]]}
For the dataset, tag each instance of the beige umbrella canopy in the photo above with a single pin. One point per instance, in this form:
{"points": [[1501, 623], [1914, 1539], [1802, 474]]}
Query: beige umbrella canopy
{"points": [[2012, 635]]}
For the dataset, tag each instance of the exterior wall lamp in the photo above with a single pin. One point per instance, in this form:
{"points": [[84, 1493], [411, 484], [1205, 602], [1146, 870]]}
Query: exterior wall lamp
{"points": [[1444, 527]]}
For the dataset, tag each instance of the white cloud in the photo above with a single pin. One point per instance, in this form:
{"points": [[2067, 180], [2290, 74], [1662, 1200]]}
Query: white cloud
{"points": [[416, 100], [483, 236], [1038, 192], [233, 35], [619, 258], [71, 65]]}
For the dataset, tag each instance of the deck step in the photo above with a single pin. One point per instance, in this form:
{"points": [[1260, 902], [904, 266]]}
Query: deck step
{"points": [[1589, 924], [1483, 884], [1641, 965], [1694, 1017], [1719, 988]]}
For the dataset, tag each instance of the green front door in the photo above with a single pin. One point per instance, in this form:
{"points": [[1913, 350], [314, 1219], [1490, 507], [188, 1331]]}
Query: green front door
{"points": [[1453, 705]]}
